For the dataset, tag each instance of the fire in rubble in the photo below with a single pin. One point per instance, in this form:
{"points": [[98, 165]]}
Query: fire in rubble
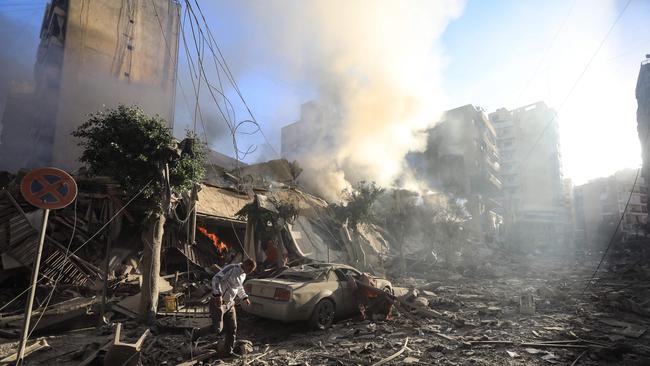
{"points": [[220, 245]]}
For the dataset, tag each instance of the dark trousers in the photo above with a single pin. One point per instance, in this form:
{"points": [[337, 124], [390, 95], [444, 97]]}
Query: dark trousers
{"points": [[222, 320]]}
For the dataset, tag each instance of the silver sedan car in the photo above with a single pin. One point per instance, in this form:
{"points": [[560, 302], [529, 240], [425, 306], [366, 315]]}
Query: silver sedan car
{"points": [[316, 292]]}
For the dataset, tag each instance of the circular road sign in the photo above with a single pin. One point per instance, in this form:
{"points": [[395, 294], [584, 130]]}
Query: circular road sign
{"points": [[48, 188]]}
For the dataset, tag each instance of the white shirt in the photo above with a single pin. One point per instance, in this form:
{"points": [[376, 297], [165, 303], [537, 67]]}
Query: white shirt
{"points": [[229, 283]]}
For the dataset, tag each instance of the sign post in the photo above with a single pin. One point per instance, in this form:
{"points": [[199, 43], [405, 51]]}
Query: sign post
{"points": [[46, 188]]}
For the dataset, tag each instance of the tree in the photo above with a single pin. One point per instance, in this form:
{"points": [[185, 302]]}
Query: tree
{"points": [[141, 154], [356, 207], [443, 224], [355, 210], [397, 213]]}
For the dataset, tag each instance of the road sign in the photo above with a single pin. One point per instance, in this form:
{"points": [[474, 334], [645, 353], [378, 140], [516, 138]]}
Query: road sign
{"points": [[48, 188]]}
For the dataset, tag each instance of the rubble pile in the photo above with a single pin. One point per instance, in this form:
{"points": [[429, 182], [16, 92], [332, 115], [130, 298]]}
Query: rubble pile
{"points": [[456, 319], [479, 303]]}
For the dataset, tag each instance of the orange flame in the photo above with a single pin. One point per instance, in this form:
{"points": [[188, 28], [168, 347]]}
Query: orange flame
{"points": [[221, 246]]}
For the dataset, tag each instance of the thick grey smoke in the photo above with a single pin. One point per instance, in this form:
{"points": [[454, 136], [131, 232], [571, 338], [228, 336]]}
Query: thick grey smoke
{"points": [[376, 64]]}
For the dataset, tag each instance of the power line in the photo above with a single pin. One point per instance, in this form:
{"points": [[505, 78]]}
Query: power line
{"points": [[611, 240], [228, 73], [577, 81], [546, 52], [233, 126], [89, 239], [198, 72]]}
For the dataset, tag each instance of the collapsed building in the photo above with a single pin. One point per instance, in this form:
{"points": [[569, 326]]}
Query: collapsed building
{"points": [[461, 159], [97, 240]]}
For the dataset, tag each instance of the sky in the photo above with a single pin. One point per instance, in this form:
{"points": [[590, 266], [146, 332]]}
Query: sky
{"points": [[494, 54]]}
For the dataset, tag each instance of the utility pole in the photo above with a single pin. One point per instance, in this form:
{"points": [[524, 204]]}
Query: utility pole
{"points": [[32, 291], [192, 226], [105, 287]]}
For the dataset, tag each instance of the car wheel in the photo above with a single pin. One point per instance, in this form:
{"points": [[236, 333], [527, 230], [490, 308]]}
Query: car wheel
{"points": [[389, 290], [323, 315]]}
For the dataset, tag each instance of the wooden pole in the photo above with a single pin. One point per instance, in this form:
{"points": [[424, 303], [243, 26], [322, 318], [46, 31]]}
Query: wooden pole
{"points": [[192, 228], [32, 291], [105, 287]]}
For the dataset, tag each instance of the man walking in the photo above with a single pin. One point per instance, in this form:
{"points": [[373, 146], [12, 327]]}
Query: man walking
{"points": [[227, 285]]}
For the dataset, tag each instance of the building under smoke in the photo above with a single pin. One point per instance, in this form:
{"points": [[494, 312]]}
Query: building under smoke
{"points": [[533, 199], [91, 54], [643, 114], [461, 159], [313, 131], [600, 204]]}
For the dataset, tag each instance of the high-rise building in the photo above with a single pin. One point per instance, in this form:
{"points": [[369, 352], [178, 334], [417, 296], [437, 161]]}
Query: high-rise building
{"points": [[91, 54], [600, 205], [569, 205], [643, 115], [312, 133], [461, 159], [533, 198]]}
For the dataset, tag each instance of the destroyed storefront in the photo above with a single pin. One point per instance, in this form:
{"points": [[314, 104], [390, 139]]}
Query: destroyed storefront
{"points": [[219, 234], [91, 268]]}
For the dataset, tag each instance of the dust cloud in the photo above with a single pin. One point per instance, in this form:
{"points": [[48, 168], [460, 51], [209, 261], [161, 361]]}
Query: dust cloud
{"points": [[376, 66]]}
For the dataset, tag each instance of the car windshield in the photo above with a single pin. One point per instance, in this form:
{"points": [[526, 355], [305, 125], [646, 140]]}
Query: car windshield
{"points": [[303, 273]]}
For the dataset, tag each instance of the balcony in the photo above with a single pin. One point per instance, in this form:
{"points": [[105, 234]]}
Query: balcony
{"points": [[495, 181], [490, 142], [494, 166]]}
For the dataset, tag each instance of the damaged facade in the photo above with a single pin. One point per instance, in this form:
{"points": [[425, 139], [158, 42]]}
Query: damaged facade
{"points": [[601, 203], [643, 115], [312, 131], [75, 250], [461, 158], [83, 63], [534, 206]]}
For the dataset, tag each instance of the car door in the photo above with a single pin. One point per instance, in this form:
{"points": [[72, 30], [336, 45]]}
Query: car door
{"points": [[347, 290]]}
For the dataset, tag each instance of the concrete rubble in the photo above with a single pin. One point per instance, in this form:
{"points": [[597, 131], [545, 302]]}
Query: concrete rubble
{"points": [[491, 306]]}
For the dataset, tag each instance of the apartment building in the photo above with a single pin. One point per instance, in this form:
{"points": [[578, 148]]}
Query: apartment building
{"points": [[461, 159], [533, 196], [92, 54], [643, 115], [601, 203]]}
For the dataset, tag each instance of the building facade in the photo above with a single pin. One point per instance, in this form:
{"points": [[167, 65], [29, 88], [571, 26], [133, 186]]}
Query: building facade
{"points": [[643, 115], [533, 196], [569, 206], [313, 132], [601, 203], [93, 54], [461, 159]]}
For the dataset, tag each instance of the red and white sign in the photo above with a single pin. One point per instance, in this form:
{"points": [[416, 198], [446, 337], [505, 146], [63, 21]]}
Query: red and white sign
{"points": [[48, 188]]}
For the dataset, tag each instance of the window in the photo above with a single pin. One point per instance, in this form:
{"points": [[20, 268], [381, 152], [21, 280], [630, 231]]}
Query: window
{"points": [[343, 273]]}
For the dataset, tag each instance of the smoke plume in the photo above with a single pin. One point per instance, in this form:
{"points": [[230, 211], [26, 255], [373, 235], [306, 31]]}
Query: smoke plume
{"points": [[16, 59], [376, 67]]}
